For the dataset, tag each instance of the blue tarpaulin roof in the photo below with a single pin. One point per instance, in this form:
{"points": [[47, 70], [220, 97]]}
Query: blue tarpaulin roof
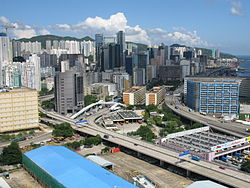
{"points": [[73, 170]]}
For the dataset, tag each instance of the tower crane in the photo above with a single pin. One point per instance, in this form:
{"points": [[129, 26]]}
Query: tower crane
{"points": [[7, 26]]}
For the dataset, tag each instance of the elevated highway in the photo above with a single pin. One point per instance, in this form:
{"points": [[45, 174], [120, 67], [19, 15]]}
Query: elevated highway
{"points": [[230, 128], [229, 177]]}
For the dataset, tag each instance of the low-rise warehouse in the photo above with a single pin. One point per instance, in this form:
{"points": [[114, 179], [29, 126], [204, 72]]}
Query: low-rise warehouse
{"points": [[59, 167], [120, 117]]}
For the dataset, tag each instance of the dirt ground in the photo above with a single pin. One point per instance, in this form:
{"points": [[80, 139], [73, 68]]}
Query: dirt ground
{"points": [[125, 165], [22, 179]]}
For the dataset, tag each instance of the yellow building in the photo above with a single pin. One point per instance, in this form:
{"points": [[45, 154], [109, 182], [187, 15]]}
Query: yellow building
{"points": [[18, 109], [156, 95], [135, 95]]}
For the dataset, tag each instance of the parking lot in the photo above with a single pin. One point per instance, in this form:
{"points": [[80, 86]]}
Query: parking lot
{"points": [[125, 164], [234, 160], [22, 179]]}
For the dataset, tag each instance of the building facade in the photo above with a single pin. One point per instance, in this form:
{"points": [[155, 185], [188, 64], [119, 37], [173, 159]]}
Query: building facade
{"points": [[18, 109], [156, 95], [213, 96], [68, 92], [134, 96]]}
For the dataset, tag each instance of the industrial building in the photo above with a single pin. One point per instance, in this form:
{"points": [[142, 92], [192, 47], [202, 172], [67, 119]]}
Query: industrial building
{"points": [[68, 92], [135, 95], [18, 109], [156, 95], [59, 167], [213, 96], [206, 144]]}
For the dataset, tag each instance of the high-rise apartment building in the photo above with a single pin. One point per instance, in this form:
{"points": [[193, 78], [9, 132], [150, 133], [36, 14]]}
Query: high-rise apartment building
{"points": [[5, 52], [156, 95], [135, 95], [18, 109]]}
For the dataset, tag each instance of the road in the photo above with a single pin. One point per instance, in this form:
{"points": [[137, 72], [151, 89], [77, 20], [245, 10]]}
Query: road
{"points": [[46, 97], [230, 128], [36, 139], [229, 177]]}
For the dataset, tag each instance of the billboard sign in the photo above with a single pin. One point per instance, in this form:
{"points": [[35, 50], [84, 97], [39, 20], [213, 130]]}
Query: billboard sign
{"points": [[230, 144]]}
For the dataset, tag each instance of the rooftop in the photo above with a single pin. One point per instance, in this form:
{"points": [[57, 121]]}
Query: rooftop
{"points": [[73, 170], [128, 115], [156, 89], [100, 161], [205, 184], [15, 89], [134, 89]]}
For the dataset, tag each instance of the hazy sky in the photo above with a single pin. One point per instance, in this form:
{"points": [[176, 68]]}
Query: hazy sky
{"points": [[223, 24]]}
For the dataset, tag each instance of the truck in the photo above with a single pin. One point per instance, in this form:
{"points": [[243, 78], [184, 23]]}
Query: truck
{"points": [[19, 139], [224, 159], [196, 158], [237, 154], [203, 113]]}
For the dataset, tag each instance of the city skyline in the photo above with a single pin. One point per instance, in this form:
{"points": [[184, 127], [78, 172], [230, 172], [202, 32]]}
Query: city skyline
{"points": [[168, 22]]}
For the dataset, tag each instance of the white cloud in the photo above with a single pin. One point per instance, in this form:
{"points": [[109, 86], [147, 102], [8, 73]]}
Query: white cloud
{"points": [[118, 21], [60, 27], [109, 27], [44, 32], [236, 8], [4, 20], [27, 33]]}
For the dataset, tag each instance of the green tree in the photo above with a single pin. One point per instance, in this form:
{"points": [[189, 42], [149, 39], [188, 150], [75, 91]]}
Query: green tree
{"points": [[146, 116], [130, 107], [49, 105], [105, 150], [145, 133], [151, 108], [194, 126], [63, 129], [11, 154], [32, 132], [89, 99], [157, 120], [41, 114], [73, 145], [246, 166], [93, 140]]}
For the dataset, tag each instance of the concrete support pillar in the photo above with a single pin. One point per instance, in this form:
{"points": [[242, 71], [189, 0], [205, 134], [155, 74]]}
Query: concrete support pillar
{"points": [[138, 154], [188, 173], [161, 163]]}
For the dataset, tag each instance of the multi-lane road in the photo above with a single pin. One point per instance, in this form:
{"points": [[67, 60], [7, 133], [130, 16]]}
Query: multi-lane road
{"points": [[229, 127], [230, 177]]}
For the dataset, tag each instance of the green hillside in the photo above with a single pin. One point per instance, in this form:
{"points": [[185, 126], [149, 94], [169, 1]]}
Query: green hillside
{"points": [[43, 38]]}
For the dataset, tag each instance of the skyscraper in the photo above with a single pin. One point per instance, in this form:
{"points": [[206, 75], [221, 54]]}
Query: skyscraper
{"points": [[5, 52], [98, 44], [121, 42]]}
